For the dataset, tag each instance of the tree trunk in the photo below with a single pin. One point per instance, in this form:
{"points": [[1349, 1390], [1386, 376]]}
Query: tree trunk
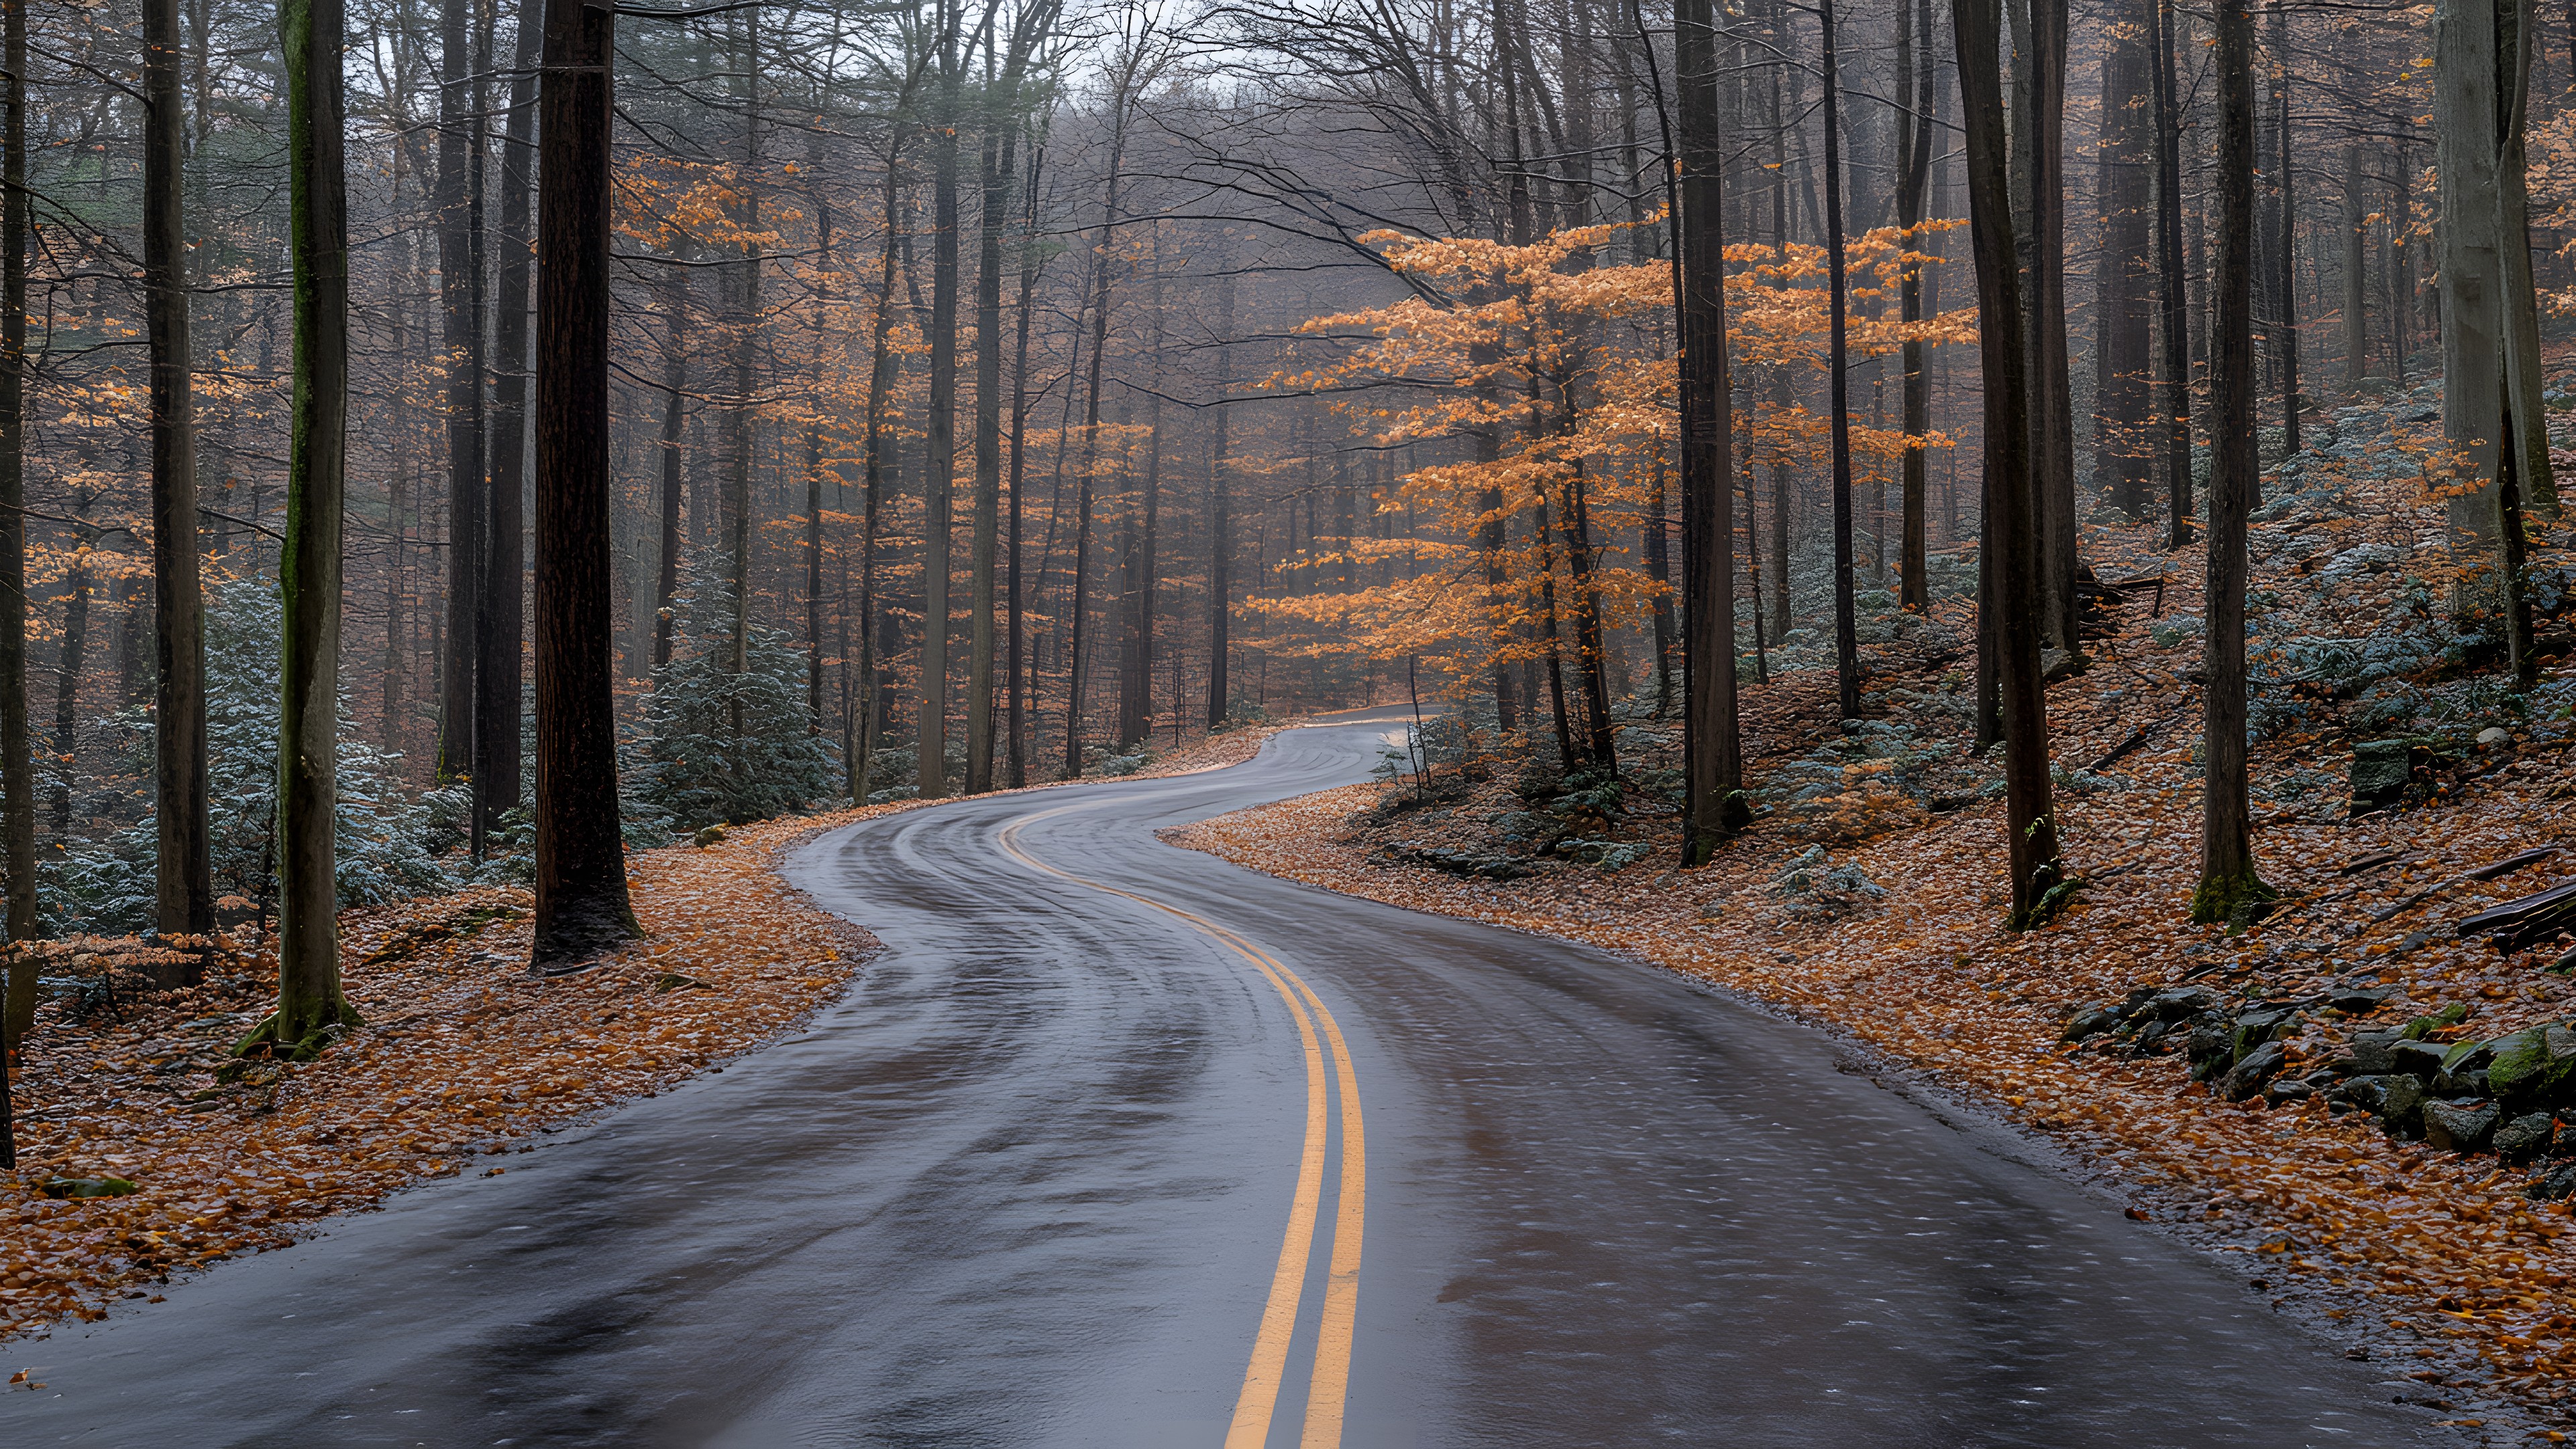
{"points": [[1015, 663], [2052, 398], [675, 380], [939, 478], [996, 158], [185, 902], [822, 206], [1103, 271], [2123, 394], [2282, 225], [1846, 637], [67, 675], [500, 698], [2471, 109], [1221, 493], [310, 1005], [2173, 399], [2228, 886], [739, 529], [2011, 535], [582, 905], [462, 360], [17, 757], [2536, 483], [1914, 53], [1714, 764]]}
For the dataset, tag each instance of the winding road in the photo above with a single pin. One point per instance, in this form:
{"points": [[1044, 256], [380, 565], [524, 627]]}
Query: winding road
{"points": [[1118, 1145]]}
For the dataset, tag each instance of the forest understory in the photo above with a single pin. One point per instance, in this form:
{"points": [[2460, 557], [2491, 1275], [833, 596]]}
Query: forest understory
{"points": [[1868, 898], [146, 1150]]}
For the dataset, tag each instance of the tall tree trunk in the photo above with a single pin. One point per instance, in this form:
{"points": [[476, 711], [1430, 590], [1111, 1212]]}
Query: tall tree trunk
{"points": [[1713, 767], [582, 905], [67, 677], [1136, 563], [1103, 268], [1846, 635], [462, 360], [2173, 302], [1221, 493], [1015, 663], [675, 381], [822, 206], [2011, 533], [995, 154], [2284, 322], [185, 896], [2052, 411], [739, 530], [2536, 484], [310, 1004], [500, 696], [939, 479], [17, 756], [2228, 885], [1914, 53], [2123, 347], [881, 378]]}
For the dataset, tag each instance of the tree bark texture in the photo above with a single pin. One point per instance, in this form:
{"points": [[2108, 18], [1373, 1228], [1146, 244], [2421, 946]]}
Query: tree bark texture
{"points": [[2228, 885], [582, 905], [185, 903], [2008, 607]]}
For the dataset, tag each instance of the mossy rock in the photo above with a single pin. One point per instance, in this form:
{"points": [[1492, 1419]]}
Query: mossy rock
{"points": [[63, 1187], [2536, 1066]]}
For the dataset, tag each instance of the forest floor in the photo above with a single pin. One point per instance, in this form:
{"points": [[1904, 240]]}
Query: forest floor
{"points": [[463, 1061], [1868, 899]]}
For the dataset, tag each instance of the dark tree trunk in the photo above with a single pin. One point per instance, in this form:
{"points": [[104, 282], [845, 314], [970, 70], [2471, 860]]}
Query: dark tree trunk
{"points": [[1915, 129], [2173, 303], [2123, 347], [17, 760], [675, 380], [462, 340], [67, 675], [500, 696], [186, 895], [2284, 328], [2011, 599], [1221, 495], [582, 905], [1714, 765], [310, 1004], [2228, 885], [1846, 636]]}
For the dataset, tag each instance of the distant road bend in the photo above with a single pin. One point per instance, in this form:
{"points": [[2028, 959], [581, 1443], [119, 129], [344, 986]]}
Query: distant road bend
{"points": [[1118, 1145]]}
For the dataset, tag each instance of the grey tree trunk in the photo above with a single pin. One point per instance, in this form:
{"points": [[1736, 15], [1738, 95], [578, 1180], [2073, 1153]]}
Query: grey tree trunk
{"points": [[185, 893], [310, 1005], [2229, 889], [462, 340], [2478, 80], [940, 474]]}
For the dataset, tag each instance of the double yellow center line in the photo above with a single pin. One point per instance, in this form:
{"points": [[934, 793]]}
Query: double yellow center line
{"points": [[1329, 1386]]}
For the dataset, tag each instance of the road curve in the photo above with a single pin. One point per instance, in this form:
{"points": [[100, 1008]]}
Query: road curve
{"points": [[1118, 1145]]}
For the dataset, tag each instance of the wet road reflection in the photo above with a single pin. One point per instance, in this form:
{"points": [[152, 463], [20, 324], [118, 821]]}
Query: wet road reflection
{"points": [[1032, 1182]]}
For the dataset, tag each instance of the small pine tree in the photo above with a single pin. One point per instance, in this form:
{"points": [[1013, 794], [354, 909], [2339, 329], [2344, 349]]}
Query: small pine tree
{"points": [[386, 840], [695, 770]]}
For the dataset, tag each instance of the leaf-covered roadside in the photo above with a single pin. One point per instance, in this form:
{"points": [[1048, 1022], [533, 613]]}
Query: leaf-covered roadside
{"points": [[2435, 1260], [463, 1059]]}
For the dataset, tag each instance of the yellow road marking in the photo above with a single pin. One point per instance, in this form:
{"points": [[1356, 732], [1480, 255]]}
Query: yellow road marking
{"points": [[1329, 1385]]}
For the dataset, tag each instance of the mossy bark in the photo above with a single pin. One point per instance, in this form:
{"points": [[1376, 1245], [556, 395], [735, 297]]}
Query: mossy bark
{"points": [[309, 998]]}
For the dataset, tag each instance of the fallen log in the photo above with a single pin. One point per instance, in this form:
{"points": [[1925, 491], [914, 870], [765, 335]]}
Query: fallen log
{"points": [[2526, 922]]}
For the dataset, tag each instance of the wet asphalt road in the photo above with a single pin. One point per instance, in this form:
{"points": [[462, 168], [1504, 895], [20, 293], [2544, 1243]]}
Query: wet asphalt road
{"points": [[1030, 1184]]}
